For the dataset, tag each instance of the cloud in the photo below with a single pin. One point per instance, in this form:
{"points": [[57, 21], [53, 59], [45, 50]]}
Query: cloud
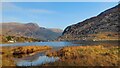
{"points": [[40, 11], [11, 7], [12, 12]]}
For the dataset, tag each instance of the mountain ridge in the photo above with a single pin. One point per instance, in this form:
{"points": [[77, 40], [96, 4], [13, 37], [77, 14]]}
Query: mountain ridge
{"points": [[106, 22], [32, 30]]}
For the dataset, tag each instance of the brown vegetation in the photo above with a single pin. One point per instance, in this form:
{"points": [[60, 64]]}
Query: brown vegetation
{"points": [[28, 50], [19, 51], [96, 55], [7, 39]]}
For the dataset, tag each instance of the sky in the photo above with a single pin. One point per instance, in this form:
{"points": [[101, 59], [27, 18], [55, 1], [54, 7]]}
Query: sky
{"points": [[52, 14]]}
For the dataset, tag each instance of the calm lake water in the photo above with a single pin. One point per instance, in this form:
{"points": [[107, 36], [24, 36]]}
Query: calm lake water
{"points": [[41, 58]]}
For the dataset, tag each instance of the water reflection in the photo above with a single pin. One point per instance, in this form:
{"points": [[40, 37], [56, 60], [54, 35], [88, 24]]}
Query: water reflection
{"points": [[41, 58], [53, 44], [38, 61], [59, 44], [94, 42]]}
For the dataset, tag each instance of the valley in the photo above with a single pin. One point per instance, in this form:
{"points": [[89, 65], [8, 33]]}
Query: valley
{"points": [[92, 42]]}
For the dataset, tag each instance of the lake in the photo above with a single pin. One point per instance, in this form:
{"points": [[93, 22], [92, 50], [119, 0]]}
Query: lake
{"points": [[41, 58]]}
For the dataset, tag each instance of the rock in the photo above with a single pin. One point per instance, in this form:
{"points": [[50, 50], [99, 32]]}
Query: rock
{"points": [[98, 27]]}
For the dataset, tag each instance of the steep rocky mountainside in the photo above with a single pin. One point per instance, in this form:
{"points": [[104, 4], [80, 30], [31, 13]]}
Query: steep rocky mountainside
{"points": [[30, 30], [104, 26]]}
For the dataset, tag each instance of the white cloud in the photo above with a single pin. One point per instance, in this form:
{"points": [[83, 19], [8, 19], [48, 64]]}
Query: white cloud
{"points": [[29, 13], [40, 11], [11, 7]]}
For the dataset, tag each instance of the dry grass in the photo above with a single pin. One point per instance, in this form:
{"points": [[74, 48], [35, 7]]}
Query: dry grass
{"points": [[106, 36], [8, 53], [96, 55]]}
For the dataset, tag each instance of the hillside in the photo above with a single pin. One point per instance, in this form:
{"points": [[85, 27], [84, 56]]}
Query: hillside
{"points": [[30, 30], [104, 26]]}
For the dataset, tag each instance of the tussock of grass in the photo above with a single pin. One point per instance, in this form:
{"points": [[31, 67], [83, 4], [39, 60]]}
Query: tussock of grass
{"points": [[19, 51], [96, 55]]}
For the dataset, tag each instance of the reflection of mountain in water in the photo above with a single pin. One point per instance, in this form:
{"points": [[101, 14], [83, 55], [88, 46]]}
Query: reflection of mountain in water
{"points": [[94, 42]]}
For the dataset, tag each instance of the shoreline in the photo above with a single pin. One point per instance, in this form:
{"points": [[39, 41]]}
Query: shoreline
{"points": [[95, 55], [64, 41], [69, 55], [8, 53]]}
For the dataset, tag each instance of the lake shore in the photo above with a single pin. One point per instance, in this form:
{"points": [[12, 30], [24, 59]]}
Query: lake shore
{"points": [[95, 55], [8, 53], [100, 54], [117, 39]]}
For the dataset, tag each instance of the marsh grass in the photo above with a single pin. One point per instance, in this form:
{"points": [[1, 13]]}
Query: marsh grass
{"points": [[95, 55], [10, 52]]}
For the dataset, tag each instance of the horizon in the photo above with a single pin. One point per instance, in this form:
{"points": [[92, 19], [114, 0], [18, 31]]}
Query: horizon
{"points": [[52, 15]]}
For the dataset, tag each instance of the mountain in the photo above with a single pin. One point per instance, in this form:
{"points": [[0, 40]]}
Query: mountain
{"points": [[56, 30], [104, 26], [30, 30]]}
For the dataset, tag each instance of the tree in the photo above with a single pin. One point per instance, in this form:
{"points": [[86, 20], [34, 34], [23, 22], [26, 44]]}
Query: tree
{"points": [[8, 38]]}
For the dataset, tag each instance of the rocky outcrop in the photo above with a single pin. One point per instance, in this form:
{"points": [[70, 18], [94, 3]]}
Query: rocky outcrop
{"points": [[103, 26]]}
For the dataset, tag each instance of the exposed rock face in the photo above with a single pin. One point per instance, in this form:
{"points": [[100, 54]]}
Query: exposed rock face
{"points": [[29, 30], [105, 23]]}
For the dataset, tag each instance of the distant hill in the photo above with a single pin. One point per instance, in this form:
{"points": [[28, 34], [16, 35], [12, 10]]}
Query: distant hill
{"points": [[31, 30], [104, 26]]}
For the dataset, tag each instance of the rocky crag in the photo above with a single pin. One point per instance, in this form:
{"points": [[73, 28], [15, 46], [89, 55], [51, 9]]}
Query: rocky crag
{"points": [[104, 26]]}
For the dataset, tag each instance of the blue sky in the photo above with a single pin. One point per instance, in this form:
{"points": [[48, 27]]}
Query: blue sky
{"points": [[52, 14]]}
